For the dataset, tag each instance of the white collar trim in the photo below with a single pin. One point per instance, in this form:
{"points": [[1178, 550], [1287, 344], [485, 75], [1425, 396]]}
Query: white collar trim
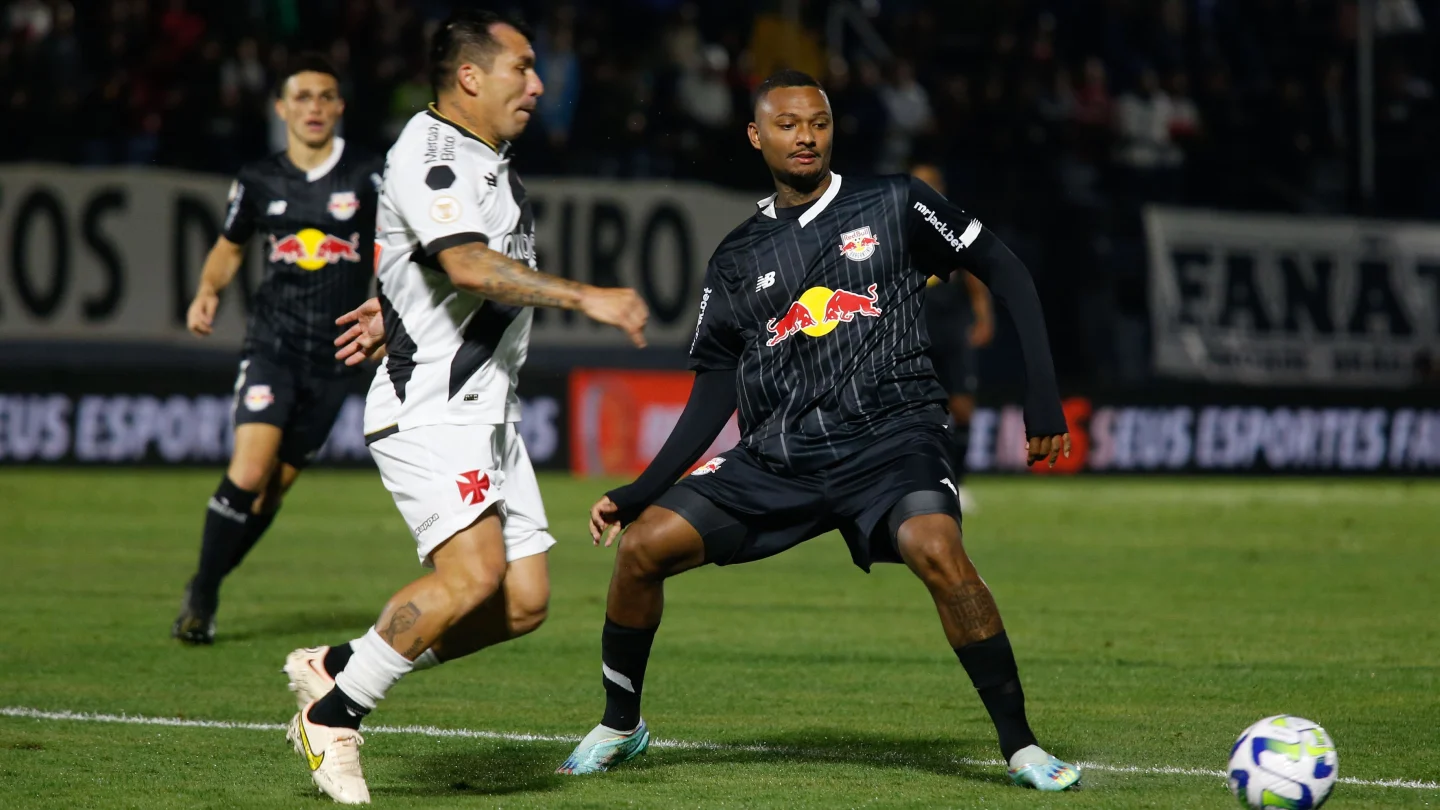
{"points": [[824, 201], [767, 205], [324, 168]]}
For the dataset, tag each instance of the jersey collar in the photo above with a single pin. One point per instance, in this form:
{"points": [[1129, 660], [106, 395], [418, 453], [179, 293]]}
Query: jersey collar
{"points": [[336, 150], [767, 205], [434, 112]]}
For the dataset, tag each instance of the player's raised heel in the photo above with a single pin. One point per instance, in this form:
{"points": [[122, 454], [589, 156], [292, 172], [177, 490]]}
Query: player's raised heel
{"points": [[1032, 767], [305, 669], [333, 757], [604, 748]]}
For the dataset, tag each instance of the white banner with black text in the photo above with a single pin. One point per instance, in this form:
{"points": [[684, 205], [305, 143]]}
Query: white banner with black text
{"points": [[1262, 299], [114, 254]]}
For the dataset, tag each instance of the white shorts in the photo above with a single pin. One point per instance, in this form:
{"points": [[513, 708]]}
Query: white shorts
{"points": [[444, 477]]}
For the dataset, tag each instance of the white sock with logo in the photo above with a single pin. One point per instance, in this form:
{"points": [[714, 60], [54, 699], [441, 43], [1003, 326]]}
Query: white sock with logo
{"points": [[373, 669]]}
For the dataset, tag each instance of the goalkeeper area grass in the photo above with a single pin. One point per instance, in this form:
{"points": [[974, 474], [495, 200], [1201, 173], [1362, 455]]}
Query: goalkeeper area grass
{"points": [[1153, 619]]}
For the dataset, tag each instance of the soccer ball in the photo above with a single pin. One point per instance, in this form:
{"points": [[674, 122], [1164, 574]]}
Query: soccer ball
{"points": [[1283, 763]]}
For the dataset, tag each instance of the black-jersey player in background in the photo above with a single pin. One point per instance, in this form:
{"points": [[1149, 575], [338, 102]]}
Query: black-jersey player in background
{"points": [[810, 322], [959, 320], [315, 205]]}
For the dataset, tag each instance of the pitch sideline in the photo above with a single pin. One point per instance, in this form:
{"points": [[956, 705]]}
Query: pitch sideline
{"points": [[24, 712]]}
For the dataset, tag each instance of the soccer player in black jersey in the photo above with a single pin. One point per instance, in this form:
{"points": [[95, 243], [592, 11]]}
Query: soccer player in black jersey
{"points": [[959, 320], [315, 202], [810, 322]]}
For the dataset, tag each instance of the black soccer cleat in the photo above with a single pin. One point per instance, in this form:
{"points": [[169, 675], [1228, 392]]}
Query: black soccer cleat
{"points": [[193, 626]]}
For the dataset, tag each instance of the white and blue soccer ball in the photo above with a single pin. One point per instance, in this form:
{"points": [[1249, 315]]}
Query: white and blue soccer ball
{"points": [[1283, 763]]}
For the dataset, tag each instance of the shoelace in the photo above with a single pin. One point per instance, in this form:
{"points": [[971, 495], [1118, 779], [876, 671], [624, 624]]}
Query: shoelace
{"points": [[346, 751]]}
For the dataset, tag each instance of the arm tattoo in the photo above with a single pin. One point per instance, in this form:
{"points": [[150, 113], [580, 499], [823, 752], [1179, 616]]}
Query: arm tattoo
{"points": [[477, 268], [401, 620], [969, 608]]}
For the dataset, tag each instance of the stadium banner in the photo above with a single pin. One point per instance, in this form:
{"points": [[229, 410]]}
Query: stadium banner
{"points": [[1262, 299], [620, 419], [185, 419], [115, 254]]}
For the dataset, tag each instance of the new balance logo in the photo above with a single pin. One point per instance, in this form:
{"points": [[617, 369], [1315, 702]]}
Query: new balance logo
{"points": [[946, 482], [765, 282], [492, 180]]}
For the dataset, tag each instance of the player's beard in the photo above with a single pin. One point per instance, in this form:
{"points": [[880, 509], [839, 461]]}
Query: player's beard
{"points": [[806, 182]]}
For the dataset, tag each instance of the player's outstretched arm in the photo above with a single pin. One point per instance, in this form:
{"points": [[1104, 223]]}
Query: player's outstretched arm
{"points": [[944, 235], [712, 399], [221, 264], [475, 268]]}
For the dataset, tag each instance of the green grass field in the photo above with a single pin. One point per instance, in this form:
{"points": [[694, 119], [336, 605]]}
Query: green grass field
{"points": [[1153, 620]]}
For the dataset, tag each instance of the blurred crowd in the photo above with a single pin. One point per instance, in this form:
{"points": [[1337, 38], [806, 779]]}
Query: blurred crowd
{"points": [[1055, 119]]}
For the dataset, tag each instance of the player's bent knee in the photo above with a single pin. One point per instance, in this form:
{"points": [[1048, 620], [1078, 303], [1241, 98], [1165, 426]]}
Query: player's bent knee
{"points": [[525, 617], [470, 587], [643, 554], [249, 476], [931, 545]]}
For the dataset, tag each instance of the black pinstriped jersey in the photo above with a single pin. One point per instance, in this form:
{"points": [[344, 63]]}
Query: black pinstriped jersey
{"points": [[818, 309], [320, 239]]}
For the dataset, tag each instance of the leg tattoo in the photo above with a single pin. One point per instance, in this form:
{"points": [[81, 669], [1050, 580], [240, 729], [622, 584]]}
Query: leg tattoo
{"points": [[401, 620], [969, 608]]}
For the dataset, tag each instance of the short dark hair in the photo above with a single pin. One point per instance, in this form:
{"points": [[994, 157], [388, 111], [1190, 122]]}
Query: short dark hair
{"points": [[783, 78], [467, 32], [308, 62]]}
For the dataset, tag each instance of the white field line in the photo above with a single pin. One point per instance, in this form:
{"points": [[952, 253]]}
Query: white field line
{"points": [[433, 731]]}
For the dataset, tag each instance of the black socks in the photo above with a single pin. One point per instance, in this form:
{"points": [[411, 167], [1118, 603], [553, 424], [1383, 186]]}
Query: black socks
{"points": [[991, 667], [255, 527], [337, 710], [625, 651], [225, 525], [336, 659]]}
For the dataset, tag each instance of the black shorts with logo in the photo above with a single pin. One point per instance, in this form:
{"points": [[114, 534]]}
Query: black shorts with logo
{"points": [[746, 512], [947, 320], [290, 396]]}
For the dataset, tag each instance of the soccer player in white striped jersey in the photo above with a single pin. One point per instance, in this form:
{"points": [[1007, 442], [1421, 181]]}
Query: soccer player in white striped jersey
{"points": [[455, 256]]}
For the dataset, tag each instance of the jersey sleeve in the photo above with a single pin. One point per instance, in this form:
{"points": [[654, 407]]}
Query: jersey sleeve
{"points": [[240, 213], [941, 232], [944, 237], [717, 343], [444, 202]]}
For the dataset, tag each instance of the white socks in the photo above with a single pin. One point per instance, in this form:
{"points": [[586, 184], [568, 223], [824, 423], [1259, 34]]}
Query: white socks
{"points": [[373, 668], [1029, 755], [426, 660]]}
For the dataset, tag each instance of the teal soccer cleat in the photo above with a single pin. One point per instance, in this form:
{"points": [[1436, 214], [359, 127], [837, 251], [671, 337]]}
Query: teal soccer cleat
{"points": [[604, 748], [1033, 768]]}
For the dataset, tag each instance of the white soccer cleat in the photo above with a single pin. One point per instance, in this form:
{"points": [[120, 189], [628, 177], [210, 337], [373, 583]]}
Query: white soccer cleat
{"points": [[309, 681], [333, 757]]}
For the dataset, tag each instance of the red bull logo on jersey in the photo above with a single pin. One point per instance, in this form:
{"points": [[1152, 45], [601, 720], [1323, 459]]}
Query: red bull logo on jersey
{"points": [[710, 466], [311, 249], [858, 245], [821, 309], [343, 205]]}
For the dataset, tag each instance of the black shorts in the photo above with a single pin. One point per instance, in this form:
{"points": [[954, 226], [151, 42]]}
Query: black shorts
{"points": [[746, 512], [302, 404], [947, 320]]}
